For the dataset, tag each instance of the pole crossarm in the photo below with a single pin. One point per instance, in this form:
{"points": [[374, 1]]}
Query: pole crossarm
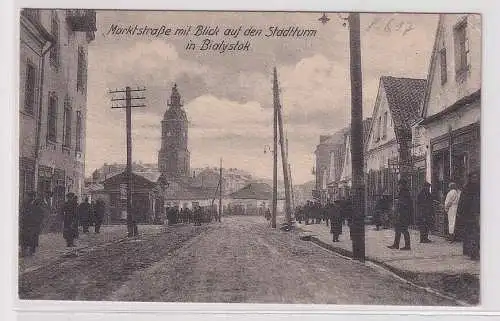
{"points": [[131, 222]]}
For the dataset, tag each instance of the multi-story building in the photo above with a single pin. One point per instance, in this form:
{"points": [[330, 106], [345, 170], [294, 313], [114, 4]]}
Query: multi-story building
{"points": [[337, 158], [345, 179], [389, 140], [322, 168], [53, 100], [451, 111]]}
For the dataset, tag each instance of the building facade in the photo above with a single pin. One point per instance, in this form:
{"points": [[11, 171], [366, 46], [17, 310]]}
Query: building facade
{"points": [[389, 140], [451, 111], [53, 100], [322, 168], [174, 156]]}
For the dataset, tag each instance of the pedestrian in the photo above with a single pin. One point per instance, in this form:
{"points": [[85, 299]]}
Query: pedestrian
{"points": [[307, 212], [403, 207], [99, 209], [450, 207], [31, 219], [426, 212], [268, 214], [381, 208], [70, 219], [335, 220], [469, 216], [84, 212]]}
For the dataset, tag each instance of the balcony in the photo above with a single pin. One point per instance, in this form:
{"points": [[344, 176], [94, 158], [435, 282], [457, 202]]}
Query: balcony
{"points": [[81, 20]]}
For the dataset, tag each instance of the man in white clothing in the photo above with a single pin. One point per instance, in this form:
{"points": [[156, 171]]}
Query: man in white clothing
{"points": [[450, 207]]}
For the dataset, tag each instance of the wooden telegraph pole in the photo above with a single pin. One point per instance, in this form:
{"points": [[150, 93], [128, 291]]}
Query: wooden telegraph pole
{"points": [[131, 223], [275, 164], [284, 159], [220, 190], [358, 184]]}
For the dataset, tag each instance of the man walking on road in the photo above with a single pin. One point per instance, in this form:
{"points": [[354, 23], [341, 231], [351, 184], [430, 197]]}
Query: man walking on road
{"points": [[403, 219]]}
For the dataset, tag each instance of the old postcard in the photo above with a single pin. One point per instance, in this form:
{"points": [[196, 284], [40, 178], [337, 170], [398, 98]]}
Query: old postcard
{"points": [[249, 157]]}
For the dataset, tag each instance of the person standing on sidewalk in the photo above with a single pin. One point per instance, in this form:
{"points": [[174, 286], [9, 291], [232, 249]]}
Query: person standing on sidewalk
{"points": [[84, 212], [450, 207], [469, 216], [382, 207], [335, 220], [70, 220], [403, 219], [426, 211]]}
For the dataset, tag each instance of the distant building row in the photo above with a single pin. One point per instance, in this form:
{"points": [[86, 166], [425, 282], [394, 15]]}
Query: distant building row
{"points": [[428, 128]]}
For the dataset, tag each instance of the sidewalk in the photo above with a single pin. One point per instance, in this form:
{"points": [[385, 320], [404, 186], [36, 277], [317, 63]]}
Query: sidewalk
{"points": [[52, 246], [439, 264]]}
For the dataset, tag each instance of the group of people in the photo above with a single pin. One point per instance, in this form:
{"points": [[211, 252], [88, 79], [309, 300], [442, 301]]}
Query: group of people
{"points": [[84, 214], [334, 214], [462, 210], [197, 215], [36, 209], [461, 207]]}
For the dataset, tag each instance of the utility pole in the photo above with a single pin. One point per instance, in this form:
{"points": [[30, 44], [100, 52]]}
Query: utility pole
{"points": [[275, 164], [284, 160], [220, 190], [131, 223], [357, 157]]}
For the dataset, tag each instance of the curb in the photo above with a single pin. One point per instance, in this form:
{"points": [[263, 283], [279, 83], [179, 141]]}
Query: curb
{"points": [[371, 262]]}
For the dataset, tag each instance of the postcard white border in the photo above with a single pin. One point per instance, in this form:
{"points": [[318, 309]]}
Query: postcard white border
{"points": [[44, 310]]}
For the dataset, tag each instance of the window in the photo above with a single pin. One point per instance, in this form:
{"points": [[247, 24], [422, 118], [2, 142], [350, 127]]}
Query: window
{"points": [[29, 88], [461, 47], [54, 51], [78, 131], [384, 128], [81, 76], [444, 68], [52, 118], [379, 123], [67, 123]]}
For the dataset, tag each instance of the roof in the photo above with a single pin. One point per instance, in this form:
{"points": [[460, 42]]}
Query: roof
{"points": [[259, 191], [150, 176], [185, 191], [93, 188], [404, 97]]}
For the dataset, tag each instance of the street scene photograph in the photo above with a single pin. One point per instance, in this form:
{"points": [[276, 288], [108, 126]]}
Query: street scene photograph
{"points": [[249, 157]]}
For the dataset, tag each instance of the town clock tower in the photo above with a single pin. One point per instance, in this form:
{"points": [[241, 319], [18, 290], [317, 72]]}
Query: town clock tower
{"points": [[174, 157]]}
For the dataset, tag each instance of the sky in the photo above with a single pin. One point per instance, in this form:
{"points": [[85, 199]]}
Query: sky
{"points": [[228, 96]]}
